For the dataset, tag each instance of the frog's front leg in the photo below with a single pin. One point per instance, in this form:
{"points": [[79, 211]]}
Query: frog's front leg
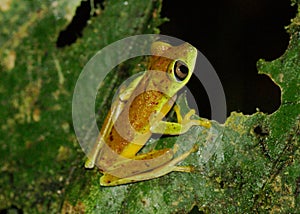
{"points": [[183, 123]]}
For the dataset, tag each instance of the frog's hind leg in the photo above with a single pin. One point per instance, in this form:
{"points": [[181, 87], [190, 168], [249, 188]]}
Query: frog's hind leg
{"points": [[128, 168], [156, 167], [181, 158]]}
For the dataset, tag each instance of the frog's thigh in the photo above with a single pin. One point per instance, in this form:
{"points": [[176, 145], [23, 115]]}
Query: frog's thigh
{"points": [[163, 169], [136, 165], [145, 162]]}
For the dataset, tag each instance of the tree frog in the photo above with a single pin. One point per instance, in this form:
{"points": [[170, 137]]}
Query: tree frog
{"points": [[138, 112]]}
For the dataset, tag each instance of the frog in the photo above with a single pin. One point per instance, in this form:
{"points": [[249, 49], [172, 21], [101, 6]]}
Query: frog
{"points": [[138, 112]]}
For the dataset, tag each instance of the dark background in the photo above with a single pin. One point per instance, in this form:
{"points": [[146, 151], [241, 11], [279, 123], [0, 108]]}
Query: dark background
{"points": [[234, 35]]}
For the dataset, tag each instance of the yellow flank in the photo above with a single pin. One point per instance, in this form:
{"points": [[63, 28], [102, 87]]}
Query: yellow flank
{"points": [[139, 112]]}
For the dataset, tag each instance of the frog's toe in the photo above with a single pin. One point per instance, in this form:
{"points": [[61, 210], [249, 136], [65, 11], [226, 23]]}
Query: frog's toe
{"points": [[184, 169], [204, 123], [187, 117]]}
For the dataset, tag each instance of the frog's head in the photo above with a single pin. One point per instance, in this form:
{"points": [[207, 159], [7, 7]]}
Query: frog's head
{"points": [[178, 61]]}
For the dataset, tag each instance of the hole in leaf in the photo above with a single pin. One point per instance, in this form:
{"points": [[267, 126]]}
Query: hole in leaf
{"points": [[261, 131], [74, 30], [195, 210], [234, 35]]}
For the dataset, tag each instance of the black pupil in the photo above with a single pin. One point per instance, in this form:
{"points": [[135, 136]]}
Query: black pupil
{"points": [[183, 69]]}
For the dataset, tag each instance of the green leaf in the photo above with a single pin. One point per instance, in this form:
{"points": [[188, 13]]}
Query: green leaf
{"points": [[249, 164]]}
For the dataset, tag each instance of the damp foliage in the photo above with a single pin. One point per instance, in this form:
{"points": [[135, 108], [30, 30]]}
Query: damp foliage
{"points": [[249, 164], [39, 153]]}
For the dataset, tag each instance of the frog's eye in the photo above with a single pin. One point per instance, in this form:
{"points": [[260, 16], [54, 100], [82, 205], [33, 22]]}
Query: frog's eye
{"points": [[180, 70]]}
